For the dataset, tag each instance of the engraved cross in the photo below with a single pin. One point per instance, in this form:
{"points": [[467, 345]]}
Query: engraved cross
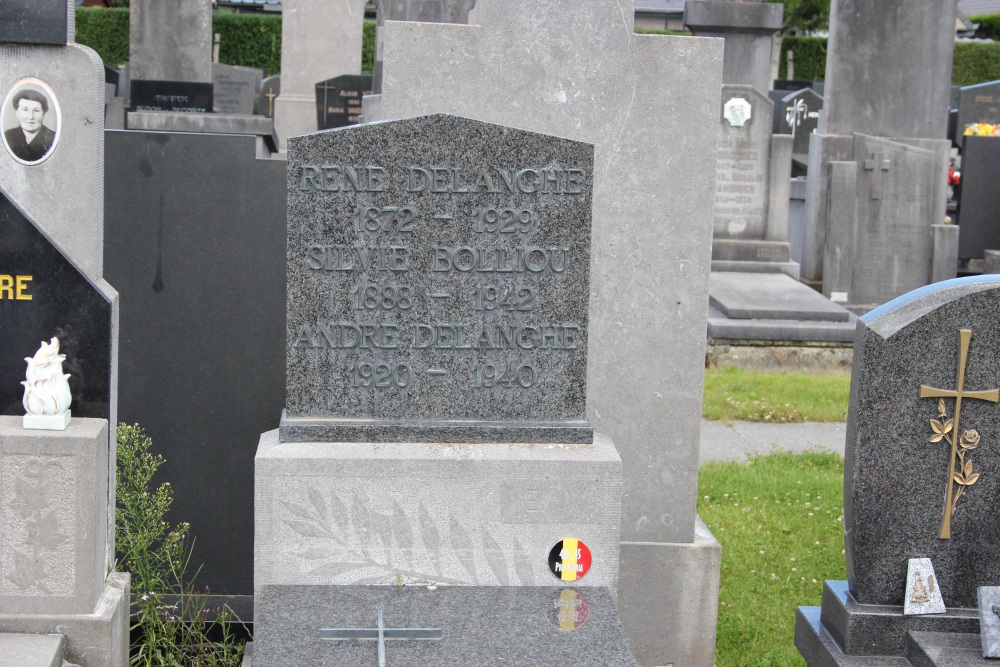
{"points": [[993, 395], [877, 165], [326, 88], [381, 634]]}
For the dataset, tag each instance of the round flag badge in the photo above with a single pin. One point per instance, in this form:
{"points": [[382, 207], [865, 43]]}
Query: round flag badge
{"points": [[569, 559], [570, 609]]}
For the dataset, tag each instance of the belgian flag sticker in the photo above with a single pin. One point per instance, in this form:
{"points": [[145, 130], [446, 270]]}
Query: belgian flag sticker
{"points": [[569, 559]]}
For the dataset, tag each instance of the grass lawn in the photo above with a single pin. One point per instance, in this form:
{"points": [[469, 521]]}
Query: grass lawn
{"points": [[779, 518], [735, 393]]}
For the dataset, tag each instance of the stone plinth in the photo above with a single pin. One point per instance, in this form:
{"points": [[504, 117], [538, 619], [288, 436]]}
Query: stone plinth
{"points": [[215, 123], [484, 514], [748, 28]]}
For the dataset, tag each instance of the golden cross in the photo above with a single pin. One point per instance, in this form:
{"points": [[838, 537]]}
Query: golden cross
{"points": [[326, 88], [270, 102], [965, 335]]}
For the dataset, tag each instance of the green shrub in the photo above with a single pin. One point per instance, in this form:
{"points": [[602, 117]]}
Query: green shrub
{"points": [[368, 47], [250, 40], [989, 24], [105, 31], [809, 58], [976, 62]]}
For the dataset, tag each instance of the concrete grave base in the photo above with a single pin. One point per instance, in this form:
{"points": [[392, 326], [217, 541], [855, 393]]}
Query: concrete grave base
{"points": [[484, 514], [212, 123], [97, 639], [24, 650], [53, 517], [668, 599]]}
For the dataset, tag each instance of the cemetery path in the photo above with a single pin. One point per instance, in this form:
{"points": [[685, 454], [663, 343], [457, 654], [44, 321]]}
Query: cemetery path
{"points": [[736, 440]]}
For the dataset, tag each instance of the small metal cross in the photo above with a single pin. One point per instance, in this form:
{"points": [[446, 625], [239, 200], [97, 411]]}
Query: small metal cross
{"points": [[270, 102], [380, 633], [326, 88], [877, 165]]}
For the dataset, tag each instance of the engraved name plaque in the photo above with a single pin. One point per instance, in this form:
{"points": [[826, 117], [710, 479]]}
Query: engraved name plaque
{"points": [[438, 284]]}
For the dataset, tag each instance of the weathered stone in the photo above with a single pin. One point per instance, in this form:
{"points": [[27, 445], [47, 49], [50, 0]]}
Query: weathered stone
{"points": [[440, 274], [234, 89], [170, 41]]}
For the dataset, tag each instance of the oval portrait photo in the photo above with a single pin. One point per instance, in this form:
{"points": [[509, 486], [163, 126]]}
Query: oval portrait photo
{"points": [[30, 119]]}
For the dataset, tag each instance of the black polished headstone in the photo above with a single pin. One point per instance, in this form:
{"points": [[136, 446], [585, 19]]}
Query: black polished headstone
{"points": [[34, 22], [480, 625], [198, 258], [978, 104], [980, 174], [338, 100], [797, 114], [43, 295], [188, 96], [791, 85], [113, 77]]}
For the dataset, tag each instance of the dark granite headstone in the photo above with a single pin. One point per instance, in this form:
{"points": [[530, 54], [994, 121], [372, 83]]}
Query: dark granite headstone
{"points": [[151, 95], [979, 230], [791, 85], [338, 100], [797, 114], [270, 88], [112, 77], [978, 104], [34, 22], [198, 259], [43, 295], [900, 468], [543, 625], [438, 284]]}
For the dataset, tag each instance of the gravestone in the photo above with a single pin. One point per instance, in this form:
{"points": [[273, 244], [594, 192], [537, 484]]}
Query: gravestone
{"points": [[980, 170], [170, 56], [438, 291], [319, 40], [978, 104], [798, 114], [235, 88], [879, 244], [338, 101], [39, 22], [270, 88], [748, 26], [752, 172], [666, 553], [423, 11], [904, 99], [920, 480], [56, 487]]}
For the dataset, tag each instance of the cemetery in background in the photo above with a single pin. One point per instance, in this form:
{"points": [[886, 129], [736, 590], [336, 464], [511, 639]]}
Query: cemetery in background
{"points": [[421, 327]]}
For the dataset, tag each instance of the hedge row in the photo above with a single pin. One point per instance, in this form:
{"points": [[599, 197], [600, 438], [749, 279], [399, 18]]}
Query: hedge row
{"points": [[252, 40], [255, 40], [989, 25]]}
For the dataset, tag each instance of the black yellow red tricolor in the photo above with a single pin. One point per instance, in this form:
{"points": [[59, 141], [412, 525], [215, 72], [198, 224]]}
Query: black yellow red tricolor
{"points": [[569, 559]]}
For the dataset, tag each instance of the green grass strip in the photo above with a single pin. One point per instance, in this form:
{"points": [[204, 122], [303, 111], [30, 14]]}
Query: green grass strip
{"points": [[738, 394], [779, 518]]}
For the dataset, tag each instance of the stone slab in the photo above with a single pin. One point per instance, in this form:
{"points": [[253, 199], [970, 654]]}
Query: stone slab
{"points": [[171, 41], [184, 246], [980, 169], [674, 588], [721, 328], [770, 296], [937, 649], [732, 250], [908, 482], [790, 269], [38, 22], [474, 320], [989, 620], [977, 104], [97, 639], [215, 123], [944, 252], [923, 595], [54, 517], [235, 88], [740, 440], [907, 94], [480, 514], [20, 650], [820, 649], [479, 626]]}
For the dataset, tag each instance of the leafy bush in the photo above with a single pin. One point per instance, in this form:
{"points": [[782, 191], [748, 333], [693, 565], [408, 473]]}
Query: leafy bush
{"points": [[105, 31], [172, 620], [989, 25], [809, 58], [976, 62]]}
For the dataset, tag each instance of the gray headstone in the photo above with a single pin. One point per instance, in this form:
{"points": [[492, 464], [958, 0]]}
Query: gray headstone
{"points": [[980, 171], [438, 284], [235, 88], [878, 243], [646, 93], [748, 28], [742, 162], [989, 620], [890, 83], [900, 464], [798, 115], [978, 104], [270, 88], [319, 40], [37, 22], [170, 41]]}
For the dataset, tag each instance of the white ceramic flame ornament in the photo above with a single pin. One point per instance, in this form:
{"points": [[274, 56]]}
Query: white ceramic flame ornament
{"points": [[46, 389]]}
